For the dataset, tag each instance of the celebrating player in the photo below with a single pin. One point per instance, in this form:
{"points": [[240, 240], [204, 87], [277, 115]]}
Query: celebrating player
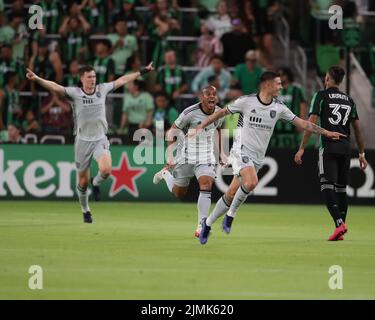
{"points": [[258, 116], [88, 104], [195, 156], [337, 111]]}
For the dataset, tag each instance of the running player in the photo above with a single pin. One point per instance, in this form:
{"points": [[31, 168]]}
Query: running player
{"points": [[195, 156], [88, 104], [337, 111], [258, 116]]}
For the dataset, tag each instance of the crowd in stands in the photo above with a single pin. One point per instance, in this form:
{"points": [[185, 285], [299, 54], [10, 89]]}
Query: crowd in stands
{"points": [[232, 45]]}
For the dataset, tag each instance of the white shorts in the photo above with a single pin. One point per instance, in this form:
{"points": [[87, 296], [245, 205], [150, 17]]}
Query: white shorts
{"points": [[84, 151], [240, 160], [182, 173]]}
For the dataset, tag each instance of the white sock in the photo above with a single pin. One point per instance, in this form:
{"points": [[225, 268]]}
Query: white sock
{"points": [[221, 207], [98, 179], [83, 198], [204, 203], [239, 198], [167, 176]]}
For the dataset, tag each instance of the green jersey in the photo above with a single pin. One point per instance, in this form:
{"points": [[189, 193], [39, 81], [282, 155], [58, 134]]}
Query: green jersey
{"points": [[137, 107]]}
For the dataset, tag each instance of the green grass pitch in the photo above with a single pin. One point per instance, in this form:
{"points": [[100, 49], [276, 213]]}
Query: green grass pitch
{"points": [[147, 251]]}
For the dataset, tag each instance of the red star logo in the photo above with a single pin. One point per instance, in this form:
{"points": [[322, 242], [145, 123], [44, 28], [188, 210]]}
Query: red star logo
{"points": [[124, 177]]}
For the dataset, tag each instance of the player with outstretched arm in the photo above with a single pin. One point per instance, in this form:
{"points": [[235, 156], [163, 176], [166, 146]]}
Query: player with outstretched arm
{"points": [[90, 126], [258, 116]]}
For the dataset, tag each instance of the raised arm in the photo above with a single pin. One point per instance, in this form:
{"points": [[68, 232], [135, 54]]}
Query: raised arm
{"points": [[210, 119], [49, 85], [361, 145], [131, 76]]}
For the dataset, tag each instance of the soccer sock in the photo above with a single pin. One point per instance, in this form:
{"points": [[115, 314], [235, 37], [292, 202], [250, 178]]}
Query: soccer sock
{"points": [[83, 197], [99, 179], [221, 207], [327, 188], [167, 176], [239, 198], [343, 200], [204, 203]]}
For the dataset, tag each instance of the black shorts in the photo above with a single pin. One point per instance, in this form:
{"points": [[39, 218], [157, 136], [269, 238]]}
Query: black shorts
{"points": [[334, 167]]}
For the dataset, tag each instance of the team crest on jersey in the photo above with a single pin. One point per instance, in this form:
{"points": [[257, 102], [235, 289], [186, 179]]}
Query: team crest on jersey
{"points": [[98, 94], [245, 159], [273, 113]]}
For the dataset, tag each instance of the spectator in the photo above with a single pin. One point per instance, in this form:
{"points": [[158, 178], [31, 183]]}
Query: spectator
{"points": [[74, 32], [14, 134], [124, 45], [286, 135], [46, 64], [220, 23], [96, 13], [52, 15], [7, 63], [265, 13], [164, 22], [247, 75], [236, 43], [10, 108], [216, 68], [15, 34], [208, 45], [71, 78], [138, 109], [103, 63], [56, 115], [163, 111], [135, 24], [171, 78], [30, 124], [1, 13]]}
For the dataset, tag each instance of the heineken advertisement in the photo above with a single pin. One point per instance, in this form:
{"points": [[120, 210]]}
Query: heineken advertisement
{"points": [[48, 172]]}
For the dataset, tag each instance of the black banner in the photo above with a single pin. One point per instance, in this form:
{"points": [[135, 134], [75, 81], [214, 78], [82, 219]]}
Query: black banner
{"points": [[283, 181]]}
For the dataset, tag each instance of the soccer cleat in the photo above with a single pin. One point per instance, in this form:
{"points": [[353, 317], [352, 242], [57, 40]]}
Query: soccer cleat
{"points": [[158, 176], [205, 232], [227, 224], [340, 238], [95, 191], [87, 217], [339, 232]]}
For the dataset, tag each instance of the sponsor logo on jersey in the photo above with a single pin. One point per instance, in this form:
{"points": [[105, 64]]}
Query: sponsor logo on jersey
{"points": [[98, 94]]}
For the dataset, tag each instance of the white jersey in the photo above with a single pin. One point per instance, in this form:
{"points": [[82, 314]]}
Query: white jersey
{"points": [[256, 123], [200, 148], [90, 122]]}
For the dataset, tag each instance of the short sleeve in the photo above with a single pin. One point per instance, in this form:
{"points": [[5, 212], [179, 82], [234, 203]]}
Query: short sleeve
{"points": [[70, 92], [286, 114], [107, 87], [315, 107], [237, 106], [182, 121]]}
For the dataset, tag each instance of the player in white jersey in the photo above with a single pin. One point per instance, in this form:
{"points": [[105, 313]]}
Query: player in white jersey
{"points": [[195, 156], [258, 116], [90, 127]]}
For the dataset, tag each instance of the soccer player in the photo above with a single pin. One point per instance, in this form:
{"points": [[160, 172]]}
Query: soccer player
{"points": [[337, 111], [195, 156], [258, 116], [88, 104]]}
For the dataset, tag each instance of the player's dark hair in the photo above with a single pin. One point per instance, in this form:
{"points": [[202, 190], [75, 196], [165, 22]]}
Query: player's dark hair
{"points": [[84, 69], [217, 57], [288, 73], [268, 76], [336, 73]]}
